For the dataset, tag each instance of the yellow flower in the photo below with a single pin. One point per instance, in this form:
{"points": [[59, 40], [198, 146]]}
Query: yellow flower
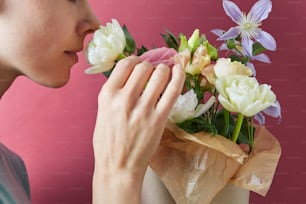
{"points": [[243, 94], [199, 61]]}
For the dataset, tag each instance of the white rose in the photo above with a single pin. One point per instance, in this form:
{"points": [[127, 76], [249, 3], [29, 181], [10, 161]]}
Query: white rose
{"points": [[243, 94], [107, 44], [187, 107]]}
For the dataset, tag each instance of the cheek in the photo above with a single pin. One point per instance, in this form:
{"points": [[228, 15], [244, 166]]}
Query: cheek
{"points": [[52, 75], [52, 69]]}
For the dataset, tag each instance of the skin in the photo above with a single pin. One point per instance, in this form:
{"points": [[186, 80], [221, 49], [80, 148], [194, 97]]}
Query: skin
{"points": [[45, 51], [122, 156]]}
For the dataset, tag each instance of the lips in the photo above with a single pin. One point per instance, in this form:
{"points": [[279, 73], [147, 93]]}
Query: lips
{"points": [[73, 55]]}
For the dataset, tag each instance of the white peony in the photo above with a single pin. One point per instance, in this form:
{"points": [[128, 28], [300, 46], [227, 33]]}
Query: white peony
{"points": [[107, 44], [243, 94], [187, 107]]}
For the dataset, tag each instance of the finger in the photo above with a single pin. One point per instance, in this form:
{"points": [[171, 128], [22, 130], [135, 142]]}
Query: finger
{"points": [[122, 72], [172, 91], [138, 78], [156, 85]]}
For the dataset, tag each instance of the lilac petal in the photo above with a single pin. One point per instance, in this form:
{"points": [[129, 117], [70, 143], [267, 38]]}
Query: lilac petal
{"points": [[260, 118], [223, 47], [247, 45], [252, 67], [266, 40], [232, 10], [218, 32], [232, 33], [261, 10], [262, 58], [274, 111]]}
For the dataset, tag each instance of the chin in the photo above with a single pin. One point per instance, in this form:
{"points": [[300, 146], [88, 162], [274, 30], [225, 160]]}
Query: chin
{"points": [[55, 82], [57, 85]]}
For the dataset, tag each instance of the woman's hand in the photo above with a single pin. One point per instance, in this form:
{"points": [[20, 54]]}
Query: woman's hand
{"points": [[134, 105]]}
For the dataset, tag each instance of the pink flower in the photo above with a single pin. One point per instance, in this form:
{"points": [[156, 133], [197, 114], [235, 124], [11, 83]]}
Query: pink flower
{"points": [[159, 55]]}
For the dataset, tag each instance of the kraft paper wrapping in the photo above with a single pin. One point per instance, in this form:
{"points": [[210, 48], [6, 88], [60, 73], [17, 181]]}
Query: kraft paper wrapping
{"points": [[194, 168], [257, 173]]}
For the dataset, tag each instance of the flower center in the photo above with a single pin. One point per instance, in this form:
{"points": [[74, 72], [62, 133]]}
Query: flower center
{"points": [[249, 27]]}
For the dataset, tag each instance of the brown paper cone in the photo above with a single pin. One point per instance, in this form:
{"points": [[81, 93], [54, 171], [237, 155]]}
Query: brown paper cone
{"points": [[257, 172], [196, 167]]}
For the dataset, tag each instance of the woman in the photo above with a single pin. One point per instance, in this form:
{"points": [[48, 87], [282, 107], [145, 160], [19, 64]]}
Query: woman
{"points": [[40, 39]]}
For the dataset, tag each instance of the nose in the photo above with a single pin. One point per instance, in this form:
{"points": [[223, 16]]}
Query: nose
{"points": [[89, 22]]}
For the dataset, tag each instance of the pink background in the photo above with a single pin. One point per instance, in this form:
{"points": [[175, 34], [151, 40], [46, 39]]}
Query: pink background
{"points": [[52, 129]]}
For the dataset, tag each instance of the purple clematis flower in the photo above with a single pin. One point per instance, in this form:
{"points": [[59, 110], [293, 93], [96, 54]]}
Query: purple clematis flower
{"points": [[248, 25], [260, 57], [273, 111]]}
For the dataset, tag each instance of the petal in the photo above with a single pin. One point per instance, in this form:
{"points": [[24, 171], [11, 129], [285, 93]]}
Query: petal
{"points": [[232, 10], [260, 118], [274, 111], [202, 108], [261, 10], [252, 67], [226, 104], [99, 68], [266, 40], [232, 33], [218, 32], [253, 108], [223, 47], [247, 45], [262, 58]]}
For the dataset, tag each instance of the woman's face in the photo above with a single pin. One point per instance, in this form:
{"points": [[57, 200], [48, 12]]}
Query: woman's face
{"points": [[40, 38]]}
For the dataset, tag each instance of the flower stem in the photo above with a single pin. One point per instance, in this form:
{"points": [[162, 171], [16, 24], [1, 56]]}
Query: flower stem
{"points": [[121, 56], [237, 127], [251, 135]]}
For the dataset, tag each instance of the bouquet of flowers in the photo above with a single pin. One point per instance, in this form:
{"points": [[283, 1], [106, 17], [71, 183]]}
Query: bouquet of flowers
{"points": [[212, 138]]}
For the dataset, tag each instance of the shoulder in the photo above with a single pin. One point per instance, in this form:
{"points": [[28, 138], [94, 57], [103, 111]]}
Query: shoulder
{"points": [[10, 157], [13, 170]]}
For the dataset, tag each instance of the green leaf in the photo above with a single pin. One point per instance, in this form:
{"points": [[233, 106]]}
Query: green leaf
{"points": [[198, 124], [108, 73], [258, 48], [219, 123], [243, 138], [193, 82], [130, 42], [170, 40], [211, 50], [141, 50], [183, 43], [236, 58], [194, 41], [203, 38], [230, 43]]}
